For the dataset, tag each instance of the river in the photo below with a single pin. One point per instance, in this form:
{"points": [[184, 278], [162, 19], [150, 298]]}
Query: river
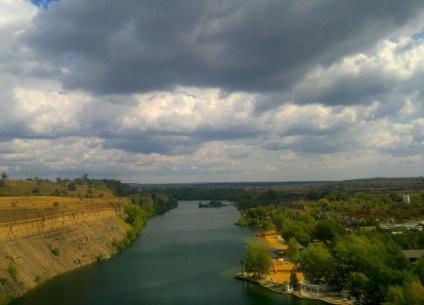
{"points": [[186, 256]]}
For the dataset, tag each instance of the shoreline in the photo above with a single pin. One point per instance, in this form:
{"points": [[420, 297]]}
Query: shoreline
{"points": [[329, 298], [280, 274]]}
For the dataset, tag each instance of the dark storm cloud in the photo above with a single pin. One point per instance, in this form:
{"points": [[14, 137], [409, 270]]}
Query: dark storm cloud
{"points": [[147, 143], [111, 47], [173, 143], [350, 90], [311, 144], [228, 133]]}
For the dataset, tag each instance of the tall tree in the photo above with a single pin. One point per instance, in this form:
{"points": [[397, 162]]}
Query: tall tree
{"points": [[257, 259], [4, 176], [294, 280], [419, 269], [317, 264], [328, 229], [293, 250]]}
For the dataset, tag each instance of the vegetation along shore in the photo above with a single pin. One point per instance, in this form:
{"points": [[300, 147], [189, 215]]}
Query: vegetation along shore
{"points": [[356, 241]]}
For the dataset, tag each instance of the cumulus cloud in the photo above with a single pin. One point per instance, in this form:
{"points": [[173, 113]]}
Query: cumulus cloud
{"points": [[233, 45], [212, 90]]}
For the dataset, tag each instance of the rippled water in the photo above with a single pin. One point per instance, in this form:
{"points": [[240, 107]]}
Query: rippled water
{"points": [[187, 256]]}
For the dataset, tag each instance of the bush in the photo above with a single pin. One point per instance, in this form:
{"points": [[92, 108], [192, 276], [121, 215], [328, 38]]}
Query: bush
{"points": [[36, 191], [41, 279], [55, 204], [120, 245], [55, 251], [72, 187], [12, 270]]}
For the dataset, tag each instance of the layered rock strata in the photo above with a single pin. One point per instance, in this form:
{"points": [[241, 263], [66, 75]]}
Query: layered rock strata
{"points": [[32, 250]]}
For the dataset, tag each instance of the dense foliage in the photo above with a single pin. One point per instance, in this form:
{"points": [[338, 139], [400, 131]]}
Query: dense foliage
{"points": [[138, 211], [330, 222]]}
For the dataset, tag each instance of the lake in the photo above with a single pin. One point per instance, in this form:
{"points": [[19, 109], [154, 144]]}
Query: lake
{"points": [[184, 257]]}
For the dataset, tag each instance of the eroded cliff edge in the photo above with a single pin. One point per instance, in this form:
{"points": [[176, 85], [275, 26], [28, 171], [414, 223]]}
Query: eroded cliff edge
{"points": [[45, 244]]}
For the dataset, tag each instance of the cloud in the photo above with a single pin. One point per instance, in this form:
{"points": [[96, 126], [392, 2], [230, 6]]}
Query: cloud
{"points": [[211, 90], [232, 45], [364, 78]]}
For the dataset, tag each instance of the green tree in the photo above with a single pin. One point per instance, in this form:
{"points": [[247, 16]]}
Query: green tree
{"points": [[297, 229], [293, 250], [317, 264], [369, 264], [257, 260], [294, 280], [4, 176], [417, 293], [412, 294], [357, 284], [419, 269], [136, 216], [72, 187], [328, 229]]}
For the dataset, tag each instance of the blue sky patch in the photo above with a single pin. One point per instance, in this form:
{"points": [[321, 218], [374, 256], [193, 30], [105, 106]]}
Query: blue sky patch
{"points": [[42, 3]]}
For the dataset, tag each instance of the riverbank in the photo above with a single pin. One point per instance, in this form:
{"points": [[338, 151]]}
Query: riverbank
{"points": [[329, 298], [39, 240], [279, 275]]}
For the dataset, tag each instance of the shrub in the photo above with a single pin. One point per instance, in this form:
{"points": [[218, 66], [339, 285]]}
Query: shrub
{"points": [[55, 251], [12, 270], [36, 191], [72, 187], [41, 279], [121, 245]]}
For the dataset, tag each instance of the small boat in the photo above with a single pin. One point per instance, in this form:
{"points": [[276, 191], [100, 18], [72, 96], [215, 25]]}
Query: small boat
{"points": [[259, 234]]}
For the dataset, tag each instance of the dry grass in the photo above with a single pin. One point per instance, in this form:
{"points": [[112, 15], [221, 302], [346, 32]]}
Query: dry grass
{"points": [[45, 202], [47, 188], [27, 207]]}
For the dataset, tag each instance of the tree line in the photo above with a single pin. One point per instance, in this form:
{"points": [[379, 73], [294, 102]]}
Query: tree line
{"points": [[138, 211]]}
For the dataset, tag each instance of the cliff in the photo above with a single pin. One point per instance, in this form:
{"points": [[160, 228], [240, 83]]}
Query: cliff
{"points": [[39, 244]]}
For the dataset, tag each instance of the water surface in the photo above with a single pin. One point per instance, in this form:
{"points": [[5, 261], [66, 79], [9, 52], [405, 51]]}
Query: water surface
{"points": [[186, 256]]}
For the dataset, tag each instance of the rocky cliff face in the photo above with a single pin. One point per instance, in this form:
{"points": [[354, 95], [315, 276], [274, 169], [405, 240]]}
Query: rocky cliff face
{"points": [[35, 249]]}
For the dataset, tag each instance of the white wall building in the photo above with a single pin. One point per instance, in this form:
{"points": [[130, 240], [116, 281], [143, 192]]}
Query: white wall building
{"points": [[406, 199]]}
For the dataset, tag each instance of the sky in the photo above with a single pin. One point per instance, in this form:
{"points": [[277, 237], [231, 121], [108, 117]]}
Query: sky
{"points": [[155, 91]]}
